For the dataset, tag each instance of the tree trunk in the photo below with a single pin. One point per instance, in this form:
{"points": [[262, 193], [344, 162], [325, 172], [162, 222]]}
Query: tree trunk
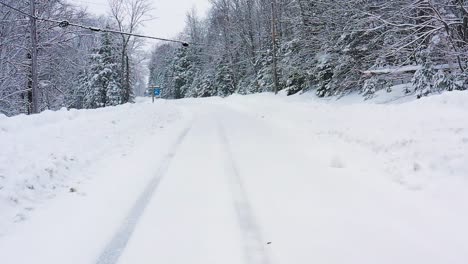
{"points": [[127, 80], [34, 82]]}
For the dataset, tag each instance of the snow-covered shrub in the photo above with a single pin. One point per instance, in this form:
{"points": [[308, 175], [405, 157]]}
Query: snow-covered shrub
{"points": [[443, 82], [373, 85], [296, 82], [423, 79], [460, 82], [323, 74], [370, 87]]}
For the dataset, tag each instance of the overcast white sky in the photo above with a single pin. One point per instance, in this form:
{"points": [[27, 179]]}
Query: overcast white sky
{"points": [[169, 14]]}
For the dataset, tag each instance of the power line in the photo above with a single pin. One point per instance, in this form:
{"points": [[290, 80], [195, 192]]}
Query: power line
{"points": [[90, 3], [66, 23], [16, 9]]}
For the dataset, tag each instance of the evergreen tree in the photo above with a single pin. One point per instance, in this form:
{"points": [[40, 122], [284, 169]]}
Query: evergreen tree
{"points": [[224, 82], [325, 45], [206, 86], [103, 79], [423, 78], [182, 73], [76, 96]]}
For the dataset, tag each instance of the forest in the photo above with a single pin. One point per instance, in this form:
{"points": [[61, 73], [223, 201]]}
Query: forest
{"points": [[75, 67], [327, 47]]}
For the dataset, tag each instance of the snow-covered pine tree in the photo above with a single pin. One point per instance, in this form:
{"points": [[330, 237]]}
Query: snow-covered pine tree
{"points": [[263, 82], [103, 80], [224, 82], [183, 74], [75, 98], [294, 74], [423, 78], [206, 87], [323, 73]]}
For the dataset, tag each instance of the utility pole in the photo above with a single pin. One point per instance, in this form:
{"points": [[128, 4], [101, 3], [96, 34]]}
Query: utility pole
{"points": [[273, 38], [34, 81]]}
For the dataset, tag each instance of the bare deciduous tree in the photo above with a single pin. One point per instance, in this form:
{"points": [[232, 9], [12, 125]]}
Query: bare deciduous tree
{"points": [[128, 16]]}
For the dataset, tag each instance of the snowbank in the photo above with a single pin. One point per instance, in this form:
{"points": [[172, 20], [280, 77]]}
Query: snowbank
{"points": [[420, 144], [44, 155]]}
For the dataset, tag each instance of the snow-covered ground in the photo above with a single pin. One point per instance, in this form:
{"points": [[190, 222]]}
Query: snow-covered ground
{"points": [[246, 179], [48, 154]]}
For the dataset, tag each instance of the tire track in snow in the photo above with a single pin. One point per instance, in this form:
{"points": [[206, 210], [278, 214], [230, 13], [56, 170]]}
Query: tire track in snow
{"points": [[116, 246], [253, 243]]}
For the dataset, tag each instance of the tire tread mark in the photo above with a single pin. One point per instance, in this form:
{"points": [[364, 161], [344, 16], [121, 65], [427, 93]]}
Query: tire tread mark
{"points": [[253, 243], [116, 246]]}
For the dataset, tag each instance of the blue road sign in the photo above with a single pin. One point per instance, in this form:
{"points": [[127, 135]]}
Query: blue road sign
{"points": [[157, 92]]}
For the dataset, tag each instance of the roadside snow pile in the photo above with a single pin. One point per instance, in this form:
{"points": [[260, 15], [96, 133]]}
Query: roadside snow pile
{"points": [[45, 154], [419, 144]]}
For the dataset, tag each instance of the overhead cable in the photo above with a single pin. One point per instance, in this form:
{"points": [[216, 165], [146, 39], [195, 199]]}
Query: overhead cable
{"points": [[66, 23]]}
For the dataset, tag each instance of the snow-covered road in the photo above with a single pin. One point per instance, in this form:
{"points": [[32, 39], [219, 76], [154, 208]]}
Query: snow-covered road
{"points": [[251, 180]]}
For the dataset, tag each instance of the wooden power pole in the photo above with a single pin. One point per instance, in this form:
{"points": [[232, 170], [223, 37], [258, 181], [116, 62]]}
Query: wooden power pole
{"points": [[273, 38], [34, 79]]}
